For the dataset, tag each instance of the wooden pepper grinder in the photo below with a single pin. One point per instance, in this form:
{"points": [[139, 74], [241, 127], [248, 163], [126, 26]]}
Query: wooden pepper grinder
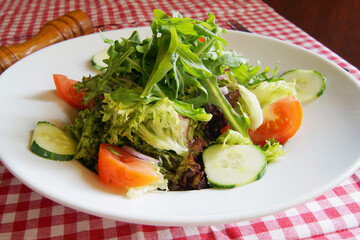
{"points": [[70, 25]]}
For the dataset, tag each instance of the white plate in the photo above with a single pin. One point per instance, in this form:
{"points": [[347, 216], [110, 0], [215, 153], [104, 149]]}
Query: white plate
{"points": [[323, 153]]}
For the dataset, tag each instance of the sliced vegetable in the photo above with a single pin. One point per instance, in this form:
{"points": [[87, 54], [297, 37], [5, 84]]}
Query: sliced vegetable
{"points": [[309, 84], [50, 142], [282, 119], [139, 154], [67, 92], [98, 58], [119, 168], [233, 166]]}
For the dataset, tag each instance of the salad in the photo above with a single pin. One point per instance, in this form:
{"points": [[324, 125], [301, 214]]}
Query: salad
{"points": [[177, 111]]}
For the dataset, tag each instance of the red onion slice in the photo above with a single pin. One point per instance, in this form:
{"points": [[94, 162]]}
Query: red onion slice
{"points": [[224, 90], [139, 155], [221, 77]]}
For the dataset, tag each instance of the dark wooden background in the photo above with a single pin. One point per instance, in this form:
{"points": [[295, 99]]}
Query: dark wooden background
{"points": [[334, 23]]}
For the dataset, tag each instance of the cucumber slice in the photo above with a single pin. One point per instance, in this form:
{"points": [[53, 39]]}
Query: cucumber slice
{"points": [[97, 60], [50, 142], [309, 84], [233, 166]]}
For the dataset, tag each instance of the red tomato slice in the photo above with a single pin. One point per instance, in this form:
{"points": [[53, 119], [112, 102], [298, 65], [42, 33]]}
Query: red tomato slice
{"points": [[119, 168], [282, 119], [66, 91], [225, 128]]}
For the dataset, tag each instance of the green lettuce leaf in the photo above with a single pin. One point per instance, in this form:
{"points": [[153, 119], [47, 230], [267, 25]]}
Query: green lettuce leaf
{"points": [[269, 92]]}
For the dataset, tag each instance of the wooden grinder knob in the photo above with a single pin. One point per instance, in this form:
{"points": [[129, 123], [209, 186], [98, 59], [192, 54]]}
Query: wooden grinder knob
{"points": [[70, 25]]}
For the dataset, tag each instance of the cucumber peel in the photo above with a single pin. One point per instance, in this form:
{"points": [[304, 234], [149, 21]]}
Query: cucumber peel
{"points": [[309, 84], [50, 142], [234, 166], [98, 58]]}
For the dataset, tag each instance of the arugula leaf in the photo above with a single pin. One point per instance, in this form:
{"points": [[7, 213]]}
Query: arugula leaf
{"points": [[187, 110], [167, 47], [113, 63], [174, 43], [125, 95], [238, 122]]}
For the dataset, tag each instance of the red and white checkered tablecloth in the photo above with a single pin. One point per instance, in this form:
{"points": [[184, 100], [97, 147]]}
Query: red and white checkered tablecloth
{"points": [[25, 214]]}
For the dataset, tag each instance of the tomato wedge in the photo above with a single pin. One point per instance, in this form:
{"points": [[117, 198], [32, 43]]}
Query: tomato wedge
{"points": [[119, 168], [282, 119], [66, 91]]}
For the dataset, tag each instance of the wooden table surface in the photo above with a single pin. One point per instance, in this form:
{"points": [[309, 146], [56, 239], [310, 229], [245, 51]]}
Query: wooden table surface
{"points": [[335, 23]]}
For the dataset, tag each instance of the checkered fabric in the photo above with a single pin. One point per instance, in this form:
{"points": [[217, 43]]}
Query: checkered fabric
{"points": [[24, 214]]}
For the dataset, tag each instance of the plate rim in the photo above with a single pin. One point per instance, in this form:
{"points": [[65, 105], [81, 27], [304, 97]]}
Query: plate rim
{"points": [[182, 222]]}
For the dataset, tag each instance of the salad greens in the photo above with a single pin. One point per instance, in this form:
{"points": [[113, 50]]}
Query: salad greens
{"points": [[169, 95]]}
